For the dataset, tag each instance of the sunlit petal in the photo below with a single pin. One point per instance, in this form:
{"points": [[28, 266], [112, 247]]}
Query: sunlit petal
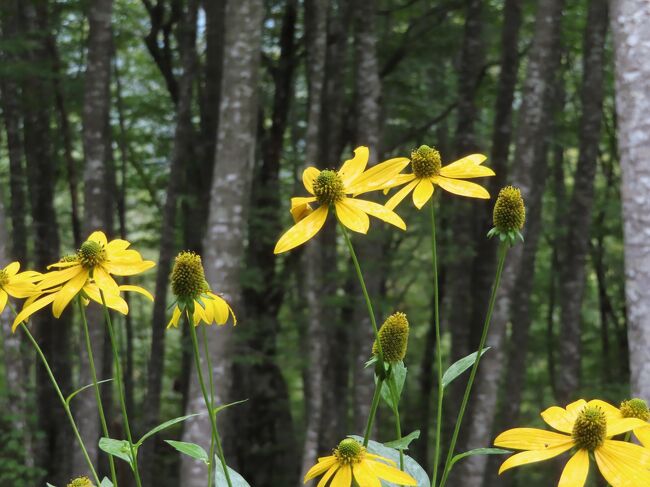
{"points": [[352, 217], [531, 439], [466, 168], [352, 168], [33, 307], [462, 188], [323, 465], [533, 456], [378, 211], [308, 177], [391, 474], [377, 176], [576, 470], [422, 193], [302, 231], [397, 198]]}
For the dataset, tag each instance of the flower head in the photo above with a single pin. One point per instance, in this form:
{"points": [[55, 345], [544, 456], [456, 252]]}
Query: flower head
{"points": [[350, 461], [15, 284], [338, 190], [193, 294], [509, 215], [428, 172], [588, 428], [393, 336], [81, 482]]}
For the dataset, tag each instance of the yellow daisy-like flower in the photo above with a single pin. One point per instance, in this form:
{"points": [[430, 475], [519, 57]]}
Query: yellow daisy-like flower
{"points": [[587, 428], [338, 189], [638, 408], [15, 284], [428, 172], [351, 461], [193, 294]]}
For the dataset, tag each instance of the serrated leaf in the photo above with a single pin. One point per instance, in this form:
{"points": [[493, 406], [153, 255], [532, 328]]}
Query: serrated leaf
{"points": [[478, 451], [218, 409], [81, 389], [411, 467], [163, 426], [460, 366], [190, 449], [106, 482], [117, 448], [220, 478], [398, 373], [404, 442]]}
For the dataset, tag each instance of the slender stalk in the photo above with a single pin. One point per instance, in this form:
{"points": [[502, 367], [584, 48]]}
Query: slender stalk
{"points": [[208, 361], [503, 250], [392, 385], [206, 398], [120, 387], [65, 405], [436, 321], [98, 397], [373, 410]]}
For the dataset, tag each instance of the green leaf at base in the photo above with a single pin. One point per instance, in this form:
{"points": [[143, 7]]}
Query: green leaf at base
{"points": [[460, 366]]}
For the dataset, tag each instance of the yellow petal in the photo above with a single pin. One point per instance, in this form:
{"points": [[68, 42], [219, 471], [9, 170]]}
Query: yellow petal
{"points": [[643, 435], [462, 188], [559, 419], [466, 168], [352, 217], [377, 176], [175, 317], [199, 314], [530, 439], [117, 245], [12, 269], [323, 465], [222, 309], [99, 237], [104, 281], [352, 168], [391, 474], [308, 177], [3, 300], [397, 198], [27, 311], [137, 289], [575, 407], [533, 456], [364, 476], [112, 301], [623, 425], [378, 211], [56, 278], [21, 289], [301, 212], [611, 412], [300, 201], [422, 193], [623, 464], [576, 470], [381, 459], [398, 181], [328, 475], [343, 477], [120, 268], [302, 231], [67, 292]]}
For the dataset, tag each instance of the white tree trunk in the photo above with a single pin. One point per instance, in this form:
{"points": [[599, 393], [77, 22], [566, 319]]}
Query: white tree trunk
{"points": [[630, 20]]}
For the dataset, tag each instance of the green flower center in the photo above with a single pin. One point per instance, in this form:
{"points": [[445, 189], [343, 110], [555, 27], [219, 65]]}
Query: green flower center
{"points": [[81, 482], [425, 162], [635, 408], [509, 210], [188, 277], [4, 278], [349, 451], [590, 428], [328, 187], [393, 336], [91, 254]]}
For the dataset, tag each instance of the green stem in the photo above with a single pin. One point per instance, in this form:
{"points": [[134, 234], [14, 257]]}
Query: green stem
{"points": [[206, 352], [436, 321], [65, 405], [98, 397], [206, 398], [120, 387], [373, 410], [503, 250], [392, 385]]}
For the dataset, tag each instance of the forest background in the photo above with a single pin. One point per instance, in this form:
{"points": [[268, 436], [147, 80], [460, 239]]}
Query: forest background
{"points": [[185, 124]]}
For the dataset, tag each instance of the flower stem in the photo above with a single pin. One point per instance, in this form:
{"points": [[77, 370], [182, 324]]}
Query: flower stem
{"points": [[65, 405], [120, 387], [206, 398], [392, 385], [206, 352], [98, 397], [503, 250], [373, 410], [436, 322]]}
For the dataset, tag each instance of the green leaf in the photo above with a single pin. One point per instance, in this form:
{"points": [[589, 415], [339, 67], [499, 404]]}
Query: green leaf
{"points": [[117, 448], [478, 451], [163, 426], [106, 483], [398, 373], [411, 467], [404, 442], [190, 449], [220, 478], [457, 368], [218, 409], [81, 389], [371, 362], [47, 484]]}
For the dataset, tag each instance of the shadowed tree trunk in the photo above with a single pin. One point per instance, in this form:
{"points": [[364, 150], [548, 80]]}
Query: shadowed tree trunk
{"points": [[631, 30], [230, 196]]}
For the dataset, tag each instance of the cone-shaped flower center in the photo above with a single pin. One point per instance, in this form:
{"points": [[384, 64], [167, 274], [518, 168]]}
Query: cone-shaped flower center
{"points": [[81, 482], [425, 162], [509, 210], [4, 278], [635, 408], [188, 278], [393, 335], [328, 187], [91, 254], [590, 428], [349, 451]]}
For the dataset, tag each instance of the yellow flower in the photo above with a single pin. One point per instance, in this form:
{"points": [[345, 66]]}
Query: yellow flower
{"points": [[428, 172], [81, 482], [588, 427], [193, 294], [339, 189], [350, 461], [16, 285], [638, 408]]}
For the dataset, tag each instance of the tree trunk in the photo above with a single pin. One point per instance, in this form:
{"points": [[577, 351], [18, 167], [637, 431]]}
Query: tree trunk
{"points": [[631, 29], [529, 176], [226, 234]]}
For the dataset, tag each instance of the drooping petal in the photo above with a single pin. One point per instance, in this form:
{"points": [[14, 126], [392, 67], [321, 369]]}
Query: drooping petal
{"points": [[422, 193], [112, 301], [12, 269], [33, 307], [302, 231], [301, 212], [533, 456], [104, 281], [119, 268], [21, 289], [462, 188], [199, 314], [352, 168], [176, 315], [308, 177], [323, 464], [364, 476], [623, 464], [137, 289], [622, 425], [222, 310], [576, 470], [302, 200], [466, 168], [398, 181], [3, 300], [343, 477], [643, 435], [559, 419], [328, 475], [378, 211], [391, 474], [352, 217], [99, 237], [531, 439], [55, 278], [377, 176], [397, 198], [67, 292]]}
